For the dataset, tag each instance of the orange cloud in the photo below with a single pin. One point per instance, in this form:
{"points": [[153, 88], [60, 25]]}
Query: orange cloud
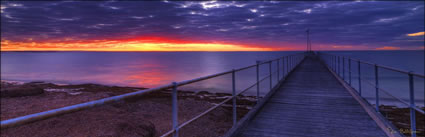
{"points": [[342, 47], [416, 34], [135, 44], [388, 48]]}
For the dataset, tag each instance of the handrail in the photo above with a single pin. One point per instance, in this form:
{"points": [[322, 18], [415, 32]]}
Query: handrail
{"points": [[73, 108], [335, 66], [212, 108], [174, 130], [399, 99], [382, 66], [82, 106]]}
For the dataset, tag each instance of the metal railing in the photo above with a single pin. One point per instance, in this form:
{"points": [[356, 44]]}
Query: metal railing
{"points": [[288, 64], [340, 67]]}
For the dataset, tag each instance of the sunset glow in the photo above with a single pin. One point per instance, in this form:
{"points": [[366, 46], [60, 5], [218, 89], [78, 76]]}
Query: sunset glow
{"points": [[138, 44], [388, 48], [209, 26]]}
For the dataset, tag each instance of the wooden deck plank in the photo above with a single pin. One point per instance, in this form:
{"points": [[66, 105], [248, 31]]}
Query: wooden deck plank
{"points": [[311, 103]]}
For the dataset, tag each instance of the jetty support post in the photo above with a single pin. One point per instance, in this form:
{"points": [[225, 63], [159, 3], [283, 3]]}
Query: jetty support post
{"points": [[175, 111]]}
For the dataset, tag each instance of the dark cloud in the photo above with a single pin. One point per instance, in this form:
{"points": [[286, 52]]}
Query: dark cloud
{"points": [[345, 23]]}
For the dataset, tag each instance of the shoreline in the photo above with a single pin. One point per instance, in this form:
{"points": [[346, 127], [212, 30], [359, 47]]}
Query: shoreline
{"points": [[158, 121], [151, 111]]}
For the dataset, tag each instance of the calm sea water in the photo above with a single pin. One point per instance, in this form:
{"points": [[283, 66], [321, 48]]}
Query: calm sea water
{"points": [[150, 69]]}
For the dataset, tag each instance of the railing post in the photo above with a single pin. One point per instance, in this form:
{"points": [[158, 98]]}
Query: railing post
{"points": [[283, 68], [289, 63], [343, 68], [234, 98], [360, 77], [334, 63], [292, 63], [339, 72], [412, 105], [331, 62], [349, 71], [287, 66], [258, 82], [278, 76], [175, 110], [376, 88], [270, 71]]}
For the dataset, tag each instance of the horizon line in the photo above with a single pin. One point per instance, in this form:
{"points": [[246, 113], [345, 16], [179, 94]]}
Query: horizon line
{"points": [[202, 51]]}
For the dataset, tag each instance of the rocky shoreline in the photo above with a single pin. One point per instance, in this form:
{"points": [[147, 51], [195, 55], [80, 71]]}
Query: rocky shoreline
{"points": [[147, 116], [400, 117]]}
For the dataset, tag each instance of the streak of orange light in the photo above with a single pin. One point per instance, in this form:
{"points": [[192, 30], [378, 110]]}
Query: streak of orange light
{"points": [[135, 44], [416, 34], [388, 48]]}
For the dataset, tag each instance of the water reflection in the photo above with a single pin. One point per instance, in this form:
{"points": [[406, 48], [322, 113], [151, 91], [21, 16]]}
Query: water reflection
{"points": [[151, 69], [142, 69]]}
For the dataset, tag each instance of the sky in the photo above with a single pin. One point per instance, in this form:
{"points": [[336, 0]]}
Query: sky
{"points": [[211, 25]]}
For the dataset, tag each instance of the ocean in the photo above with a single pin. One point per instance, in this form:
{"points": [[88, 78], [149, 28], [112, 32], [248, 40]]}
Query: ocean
{"points": [[151, 69]]}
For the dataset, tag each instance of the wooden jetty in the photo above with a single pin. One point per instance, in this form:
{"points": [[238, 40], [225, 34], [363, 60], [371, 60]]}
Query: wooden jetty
{"points": [[311, 102]]}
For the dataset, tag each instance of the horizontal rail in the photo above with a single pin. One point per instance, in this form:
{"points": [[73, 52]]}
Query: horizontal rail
{"points": [[212, 108], [399, 99], [198, 116], [381, 89], [68, 109], [78, 107], [202, 78], [382, 66], [204, 113], [418, 109], [385, 91]]}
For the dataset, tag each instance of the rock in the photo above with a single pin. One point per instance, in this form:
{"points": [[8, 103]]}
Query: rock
{"points": [[223, 94], [21, 91], [203, 93]]}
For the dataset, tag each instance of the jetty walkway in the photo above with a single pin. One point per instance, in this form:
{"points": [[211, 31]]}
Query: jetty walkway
{"points": [[311, 102]]}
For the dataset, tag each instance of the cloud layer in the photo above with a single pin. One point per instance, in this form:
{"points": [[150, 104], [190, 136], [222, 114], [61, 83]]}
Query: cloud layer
{"points": [[275, 24]]}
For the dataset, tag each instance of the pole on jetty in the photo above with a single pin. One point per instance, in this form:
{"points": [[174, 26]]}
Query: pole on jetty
{"points": [[412, 105], [270, 71], [334, 63], [258, 81], [175, 110], [376, 88], [287, 66], [343, 68], [234, 98], [278, 76], [360, 77], [290, 63], [349, 71], [283, 68], [339, 72]]}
